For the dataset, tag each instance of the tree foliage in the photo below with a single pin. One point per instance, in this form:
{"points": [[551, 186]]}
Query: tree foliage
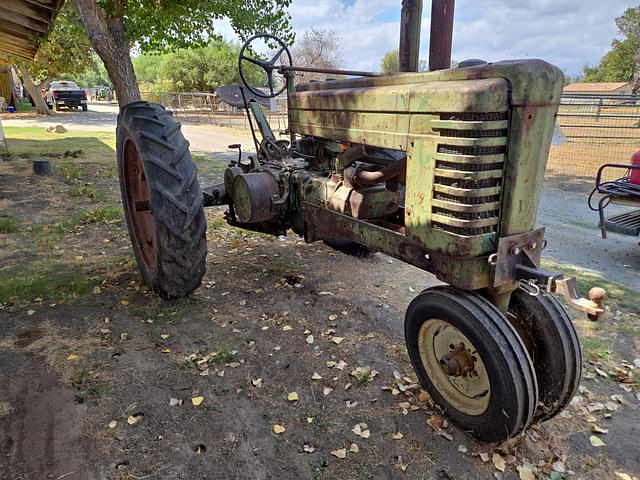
{"points": [[621, 63], [66, 51], [390, 62], [116, 26], [193, 70]]}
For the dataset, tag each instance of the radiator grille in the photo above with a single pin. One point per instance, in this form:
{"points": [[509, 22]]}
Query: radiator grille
{"points": [[468, 178]]}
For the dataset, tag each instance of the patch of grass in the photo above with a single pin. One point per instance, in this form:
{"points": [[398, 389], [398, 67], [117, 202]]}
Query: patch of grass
{"points": [[8, 224], [216, 223], [33, 142], [102, 214], [70, 171], [596, 348], [53, 282], [226, 354], [155, 336], [84, 190], [86, 387]]}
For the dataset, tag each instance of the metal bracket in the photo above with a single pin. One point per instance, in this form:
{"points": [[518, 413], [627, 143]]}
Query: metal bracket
{"points": [[523, 249]]}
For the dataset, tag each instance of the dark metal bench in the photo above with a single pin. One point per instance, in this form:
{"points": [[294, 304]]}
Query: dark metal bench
{"points": [[619, 192]]}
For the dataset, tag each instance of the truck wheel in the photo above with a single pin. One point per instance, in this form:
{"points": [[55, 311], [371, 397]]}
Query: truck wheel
{"points": [[162, 200], [553, 346], [58, 108], [470, 359]]}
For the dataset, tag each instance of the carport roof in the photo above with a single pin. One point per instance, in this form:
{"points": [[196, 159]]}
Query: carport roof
{"points": [[23, 23]]}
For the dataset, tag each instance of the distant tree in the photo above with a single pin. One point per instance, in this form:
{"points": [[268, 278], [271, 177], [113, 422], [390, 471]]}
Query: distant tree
{"points": [[114, 27], [195, 70], [64, 53], [622, 62], [96, 76], [317, 48], [390, 62]]}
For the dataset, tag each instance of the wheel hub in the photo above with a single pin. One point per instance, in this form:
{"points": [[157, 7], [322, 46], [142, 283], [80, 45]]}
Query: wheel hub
{"points": [[457, 363], [454, 366]]}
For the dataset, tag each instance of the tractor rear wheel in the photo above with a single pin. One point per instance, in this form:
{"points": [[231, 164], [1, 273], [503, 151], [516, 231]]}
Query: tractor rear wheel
{"points": [[553, 346], [471, 360], [162, 200]]}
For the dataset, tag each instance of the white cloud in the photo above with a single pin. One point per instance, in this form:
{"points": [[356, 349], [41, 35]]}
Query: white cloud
{"points": [[567, 33]]}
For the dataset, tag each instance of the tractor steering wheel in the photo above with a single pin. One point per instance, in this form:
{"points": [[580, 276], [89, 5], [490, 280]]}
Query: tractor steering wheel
{"points": [[267, 65]]}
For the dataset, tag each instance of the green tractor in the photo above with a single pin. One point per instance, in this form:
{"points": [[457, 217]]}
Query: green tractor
{"points": [[442, 170]]}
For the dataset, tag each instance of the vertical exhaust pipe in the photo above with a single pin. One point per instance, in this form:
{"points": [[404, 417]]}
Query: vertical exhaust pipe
{"points": [[441, 34], [410, 20]]}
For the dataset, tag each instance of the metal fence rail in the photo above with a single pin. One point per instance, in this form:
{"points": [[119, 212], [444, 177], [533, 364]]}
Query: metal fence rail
{"points": [[594, 129], [208, 108]]}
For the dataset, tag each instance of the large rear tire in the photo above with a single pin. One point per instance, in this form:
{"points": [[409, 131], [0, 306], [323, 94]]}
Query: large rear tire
{"points": [[162, 200]]}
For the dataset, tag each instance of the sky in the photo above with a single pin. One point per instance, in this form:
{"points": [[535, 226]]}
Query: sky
{"points": [[567, 33]]}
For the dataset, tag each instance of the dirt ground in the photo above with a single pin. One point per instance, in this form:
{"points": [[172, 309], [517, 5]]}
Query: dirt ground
{"points": [[251, 377]]}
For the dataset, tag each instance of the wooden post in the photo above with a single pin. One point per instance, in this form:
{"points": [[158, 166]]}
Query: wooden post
{"points": [[441, 34]]}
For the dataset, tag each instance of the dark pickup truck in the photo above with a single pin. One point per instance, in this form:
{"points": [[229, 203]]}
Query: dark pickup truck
{"points": [[66, 94]]}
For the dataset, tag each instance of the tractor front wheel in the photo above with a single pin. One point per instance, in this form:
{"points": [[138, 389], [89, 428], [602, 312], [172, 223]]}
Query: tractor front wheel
{"points": [[471, 360], [162, 200]]}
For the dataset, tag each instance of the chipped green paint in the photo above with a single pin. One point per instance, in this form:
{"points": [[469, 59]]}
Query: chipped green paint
{"points": [[476, 141]]}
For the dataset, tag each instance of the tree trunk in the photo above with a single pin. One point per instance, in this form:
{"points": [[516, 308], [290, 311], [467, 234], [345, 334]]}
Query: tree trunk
{"points": [[33, 90], [107, 35]]}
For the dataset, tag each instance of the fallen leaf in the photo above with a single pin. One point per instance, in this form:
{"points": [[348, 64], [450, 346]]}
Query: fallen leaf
{"points": [[340, 453], [327, 391], [498, 462], [309, 339], [112, 424], [333, 317], [72, 357], [308, 448], [397, 436], [462, 449], [278, 429], [164, 336], [133, 419], [124, 301], [174, 402], [484, 456], [293, 396], [286, 328], [256, 382], [596, 441], [337, 340], [354, 448], [597, 429], [197, 401], [316, 376], [559, 467], [526, 472], [309, 419], [435, 422]]}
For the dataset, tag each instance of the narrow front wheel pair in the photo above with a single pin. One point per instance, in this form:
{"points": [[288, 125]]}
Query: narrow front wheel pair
{"points": [[477, 368]]}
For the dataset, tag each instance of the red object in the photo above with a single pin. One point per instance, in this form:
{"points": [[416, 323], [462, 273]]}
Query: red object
{"points": [[635, 173], [55, 94]]}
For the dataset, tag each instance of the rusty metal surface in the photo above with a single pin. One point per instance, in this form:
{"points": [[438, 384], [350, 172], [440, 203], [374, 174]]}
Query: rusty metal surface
{"points": [[511, 252], [254, 195], [410, 22], [323, 224], [441, 34]]}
